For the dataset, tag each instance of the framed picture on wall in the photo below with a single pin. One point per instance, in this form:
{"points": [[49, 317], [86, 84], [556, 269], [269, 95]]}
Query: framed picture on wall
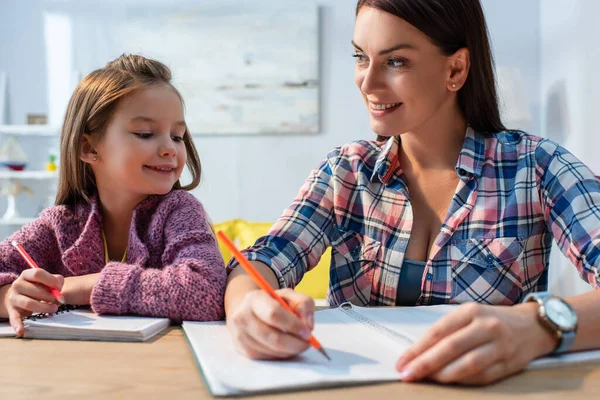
{"points": [[242, 67]]}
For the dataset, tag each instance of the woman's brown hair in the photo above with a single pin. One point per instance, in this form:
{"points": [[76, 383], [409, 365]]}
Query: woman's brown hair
{"points": [[89, 111], [452, 25]]}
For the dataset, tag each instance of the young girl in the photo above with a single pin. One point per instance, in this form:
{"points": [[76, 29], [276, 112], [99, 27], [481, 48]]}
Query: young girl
{"points": [[447, 207], [124, 236]]}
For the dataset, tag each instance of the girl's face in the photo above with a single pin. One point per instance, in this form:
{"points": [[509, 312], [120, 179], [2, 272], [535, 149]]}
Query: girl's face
{"points": [[142, 151], [402, 76]]}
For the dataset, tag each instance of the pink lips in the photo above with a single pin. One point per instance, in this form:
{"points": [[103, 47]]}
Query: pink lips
{"points": [[379, 108], [378, 113]]}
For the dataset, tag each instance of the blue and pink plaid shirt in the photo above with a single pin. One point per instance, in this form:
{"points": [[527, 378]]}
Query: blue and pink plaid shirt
{"points": [[515, 194]]}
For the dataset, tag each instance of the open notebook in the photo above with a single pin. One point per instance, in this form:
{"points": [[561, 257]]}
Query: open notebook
{"points": [[363, 343], [82, 324]]}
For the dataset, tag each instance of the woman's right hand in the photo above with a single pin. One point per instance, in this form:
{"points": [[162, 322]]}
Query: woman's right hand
{"points": [[30, 293], [262, 329]]}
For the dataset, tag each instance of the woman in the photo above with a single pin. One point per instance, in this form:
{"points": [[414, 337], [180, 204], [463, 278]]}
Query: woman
{"points": [[446, 207]]}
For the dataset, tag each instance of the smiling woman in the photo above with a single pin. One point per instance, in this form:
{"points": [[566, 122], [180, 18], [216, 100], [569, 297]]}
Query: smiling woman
{"points": [[417, 57], [447, 207]]}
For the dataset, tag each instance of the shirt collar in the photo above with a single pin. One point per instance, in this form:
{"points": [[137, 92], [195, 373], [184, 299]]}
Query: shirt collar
{"points": [[471, 157], [387, 164], [469, 163]]}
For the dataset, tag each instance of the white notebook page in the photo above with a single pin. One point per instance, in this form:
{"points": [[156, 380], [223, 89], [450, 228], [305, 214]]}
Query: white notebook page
{"points": [[363, 343], [6, 330], [360, 351], [85, 319]]}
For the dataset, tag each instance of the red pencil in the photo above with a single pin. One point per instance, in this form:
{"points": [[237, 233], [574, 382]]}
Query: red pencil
{"points": [[264, 285], [58, 295]]}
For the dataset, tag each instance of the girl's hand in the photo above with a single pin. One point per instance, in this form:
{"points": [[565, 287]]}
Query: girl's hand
{"points": [[78, 289], [30, 293], [262, 329], [477, 344]]}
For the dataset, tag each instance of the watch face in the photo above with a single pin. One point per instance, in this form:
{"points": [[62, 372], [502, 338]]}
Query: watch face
{"points": [[561, 314]]}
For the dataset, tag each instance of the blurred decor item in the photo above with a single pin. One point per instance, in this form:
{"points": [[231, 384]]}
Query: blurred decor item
{"points": [[2, 97], [51, 166], [11, 191], [12, 155], [265, 79], [37, 119], [514, 105]]}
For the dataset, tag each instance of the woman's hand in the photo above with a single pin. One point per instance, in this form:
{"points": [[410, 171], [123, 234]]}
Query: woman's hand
{"points": [[262, 329], [78, 289], [30, 293], [477, 344]]}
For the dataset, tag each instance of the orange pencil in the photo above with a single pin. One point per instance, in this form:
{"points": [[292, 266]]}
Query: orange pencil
{"points": [[58, 295], [264, 285]]}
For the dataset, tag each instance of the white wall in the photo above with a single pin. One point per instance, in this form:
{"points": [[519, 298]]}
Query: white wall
{"points": [[257, 177], [570, 98], [515, 34]]}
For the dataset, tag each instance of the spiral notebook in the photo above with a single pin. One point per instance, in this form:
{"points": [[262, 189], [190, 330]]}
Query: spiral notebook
{"points": [[363, 343], [74, 323]]}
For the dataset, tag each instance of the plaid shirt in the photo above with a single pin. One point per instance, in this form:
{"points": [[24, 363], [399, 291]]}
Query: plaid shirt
{"points": [[515, 193]]}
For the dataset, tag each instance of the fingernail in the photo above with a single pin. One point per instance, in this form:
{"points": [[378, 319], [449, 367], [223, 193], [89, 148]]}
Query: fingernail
{"points": [[305, 334], [311, 320], [407, 375]]}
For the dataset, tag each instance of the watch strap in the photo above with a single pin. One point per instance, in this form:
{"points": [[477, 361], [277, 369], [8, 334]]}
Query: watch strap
{"points": [[565, 342]]}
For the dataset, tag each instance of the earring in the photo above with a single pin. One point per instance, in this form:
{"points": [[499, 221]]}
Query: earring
{"points": [[454, 86], [95, 158]]}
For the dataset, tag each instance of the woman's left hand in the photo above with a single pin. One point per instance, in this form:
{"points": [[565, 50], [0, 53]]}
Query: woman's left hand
{"points": [[477, 344]]}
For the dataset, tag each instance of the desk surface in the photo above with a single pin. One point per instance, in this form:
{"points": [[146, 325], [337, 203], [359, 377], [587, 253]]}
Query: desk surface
{"points": [[165, 368]]}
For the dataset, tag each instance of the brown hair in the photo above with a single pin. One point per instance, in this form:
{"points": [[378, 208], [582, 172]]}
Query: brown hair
{"points": [[452, 25], [89, 111]]}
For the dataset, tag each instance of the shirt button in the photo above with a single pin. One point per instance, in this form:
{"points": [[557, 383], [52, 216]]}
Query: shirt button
{"points": [[429, 276], [489, 258]]}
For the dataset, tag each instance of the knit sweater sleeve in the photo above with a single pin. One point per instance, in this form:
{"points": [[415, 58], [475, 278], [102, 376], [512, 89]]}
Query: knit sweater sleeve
{"points": [[38, 238], [190, 283]]}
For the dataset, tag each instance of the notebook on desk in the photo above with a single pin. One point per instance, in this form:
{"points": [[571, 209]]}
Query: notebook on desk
{"points": [[71, 323], [363, 343]]}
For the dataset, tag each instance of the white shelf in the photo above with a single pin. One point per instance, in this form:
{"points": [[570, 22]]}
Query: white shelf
{"points": [[36, 175], [16, 221], [30, 130]]}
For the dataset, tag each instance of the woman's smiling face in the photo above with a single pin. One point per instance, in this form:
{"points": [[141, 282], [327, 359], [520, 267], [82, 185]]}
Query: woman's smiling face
{"points": [[401, 74]]}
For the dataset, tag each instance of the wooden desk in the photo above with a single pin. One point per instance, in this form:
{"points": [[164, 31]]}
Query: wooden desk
{"points": [[165, 368]]}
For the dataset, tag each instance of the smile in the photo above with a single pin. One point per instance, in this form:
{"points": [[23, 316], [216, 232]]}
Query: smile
{"points": [[382, 109], [160, 169], [383, 106]]}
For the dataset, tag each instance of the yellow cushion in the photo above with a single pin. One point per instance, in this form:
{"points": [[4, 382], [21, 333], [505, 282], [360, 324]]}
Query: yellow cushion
{"points": [[230, 229], [244, 233]]}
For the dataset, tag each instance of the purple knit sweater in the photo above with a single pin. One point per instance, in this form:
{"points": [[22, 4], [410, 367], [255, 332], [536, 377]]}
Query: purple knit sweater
{"points": [[174, 268]]}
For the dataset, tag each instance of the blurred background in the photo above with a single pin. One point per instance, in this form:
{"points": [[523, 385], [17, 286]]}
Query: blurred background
{"points": [[269, 88]]}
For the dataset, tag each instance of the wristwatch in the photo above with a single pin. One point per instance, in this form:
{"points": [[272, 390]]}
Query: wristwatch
{"points": [[557, 316]]}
